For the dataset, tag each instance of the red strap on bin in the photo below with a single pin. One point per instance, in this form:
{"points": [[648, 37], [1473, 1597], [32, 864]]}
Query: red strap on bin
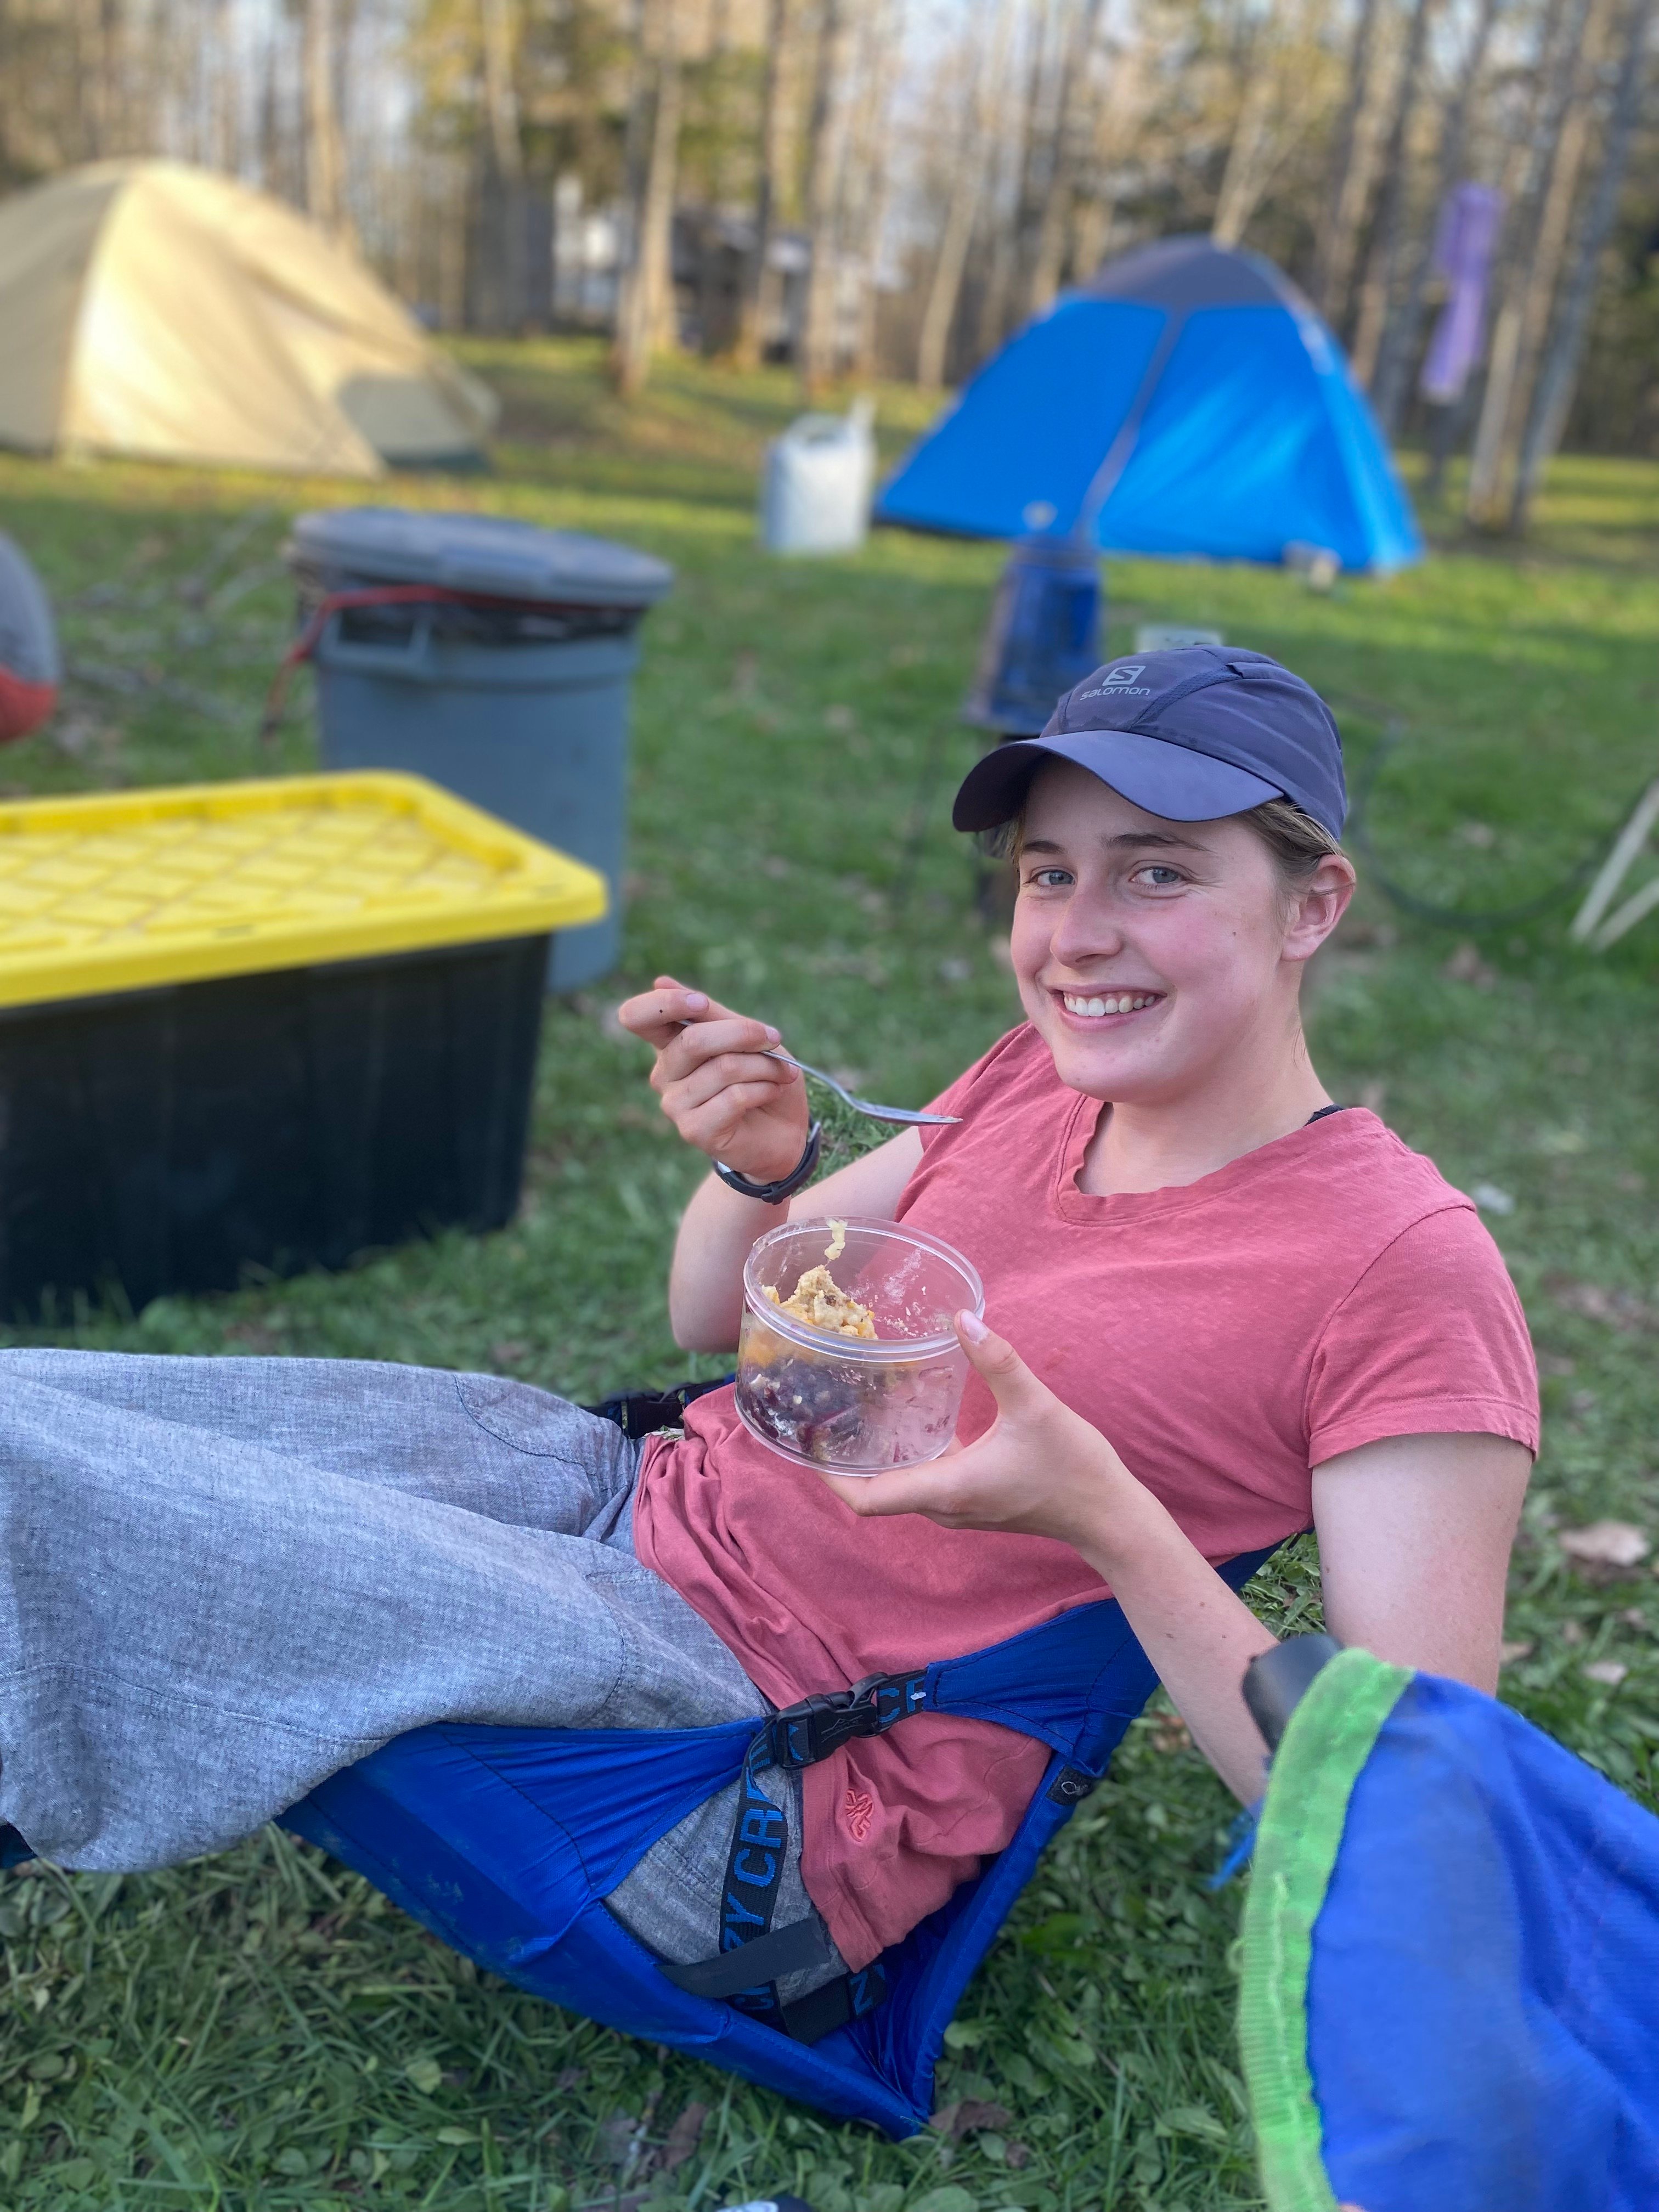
{"points": [[382, 595]]}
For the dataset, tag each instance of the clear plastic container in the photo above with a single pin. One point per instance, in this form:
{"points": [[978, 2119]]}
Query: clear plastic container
{"points": [[856, 1404]]}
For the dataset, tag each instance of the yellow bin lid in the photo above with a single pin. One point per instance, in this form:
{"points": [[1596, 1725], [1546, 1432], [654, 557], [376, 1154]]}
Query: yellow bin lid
{"points": [[119, 890]]}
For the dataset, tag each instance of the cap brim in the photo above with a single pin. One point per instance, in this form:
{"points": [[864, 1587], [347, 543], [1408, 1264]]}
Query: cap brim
{"points": [[1173, 780]]}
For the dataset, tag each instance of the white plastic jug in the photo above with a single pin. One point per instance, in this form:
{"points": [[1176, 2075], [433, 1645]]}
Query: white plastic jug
{"points": [[816, 487]]}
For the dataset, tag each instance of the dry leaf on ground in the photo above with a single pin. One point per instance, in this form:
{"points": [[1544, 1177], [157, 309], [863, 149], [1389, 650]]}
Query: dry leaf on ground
{"points": [[1610, 1671], [1466, 966], [1619, 1309], [966, 2117], [1508, 1654], [682, 2138], [1605, 1544]]}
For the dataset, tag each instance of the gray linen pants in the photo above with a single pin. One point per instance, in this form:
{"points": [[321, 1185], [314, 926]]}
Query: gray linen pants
{"points": [[221, 1580]]}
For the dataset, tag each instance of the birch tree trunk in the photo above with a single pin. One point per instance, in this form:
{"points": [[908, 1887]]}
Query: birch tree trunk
{"points": [[1017, 103], [1377, 296], [1241, 188], [227, 117], [644, 310], [967, 188], [97, 65], [826, 157], [759, 289], [504, 202], [1559, 373], [1540, 241], [873, 163], [1351, 169], [1398, 352], [1055, 221], [324, 153]]}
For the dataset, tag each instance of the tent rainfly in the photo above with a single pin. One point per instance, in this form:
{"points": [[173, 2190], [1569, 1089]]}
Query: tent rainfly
{"points": [[1186, 400], [157, 310]]}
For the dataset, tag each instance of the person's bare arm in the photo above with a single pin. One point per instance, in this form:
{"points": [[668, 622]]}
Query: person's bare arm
{"points": [[725, 1096], [1414, 1541]]}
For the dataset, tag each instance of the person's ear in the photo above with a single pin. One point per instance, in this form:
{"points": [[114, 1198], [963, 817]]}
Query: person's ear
{"points": [[1315, 911]]}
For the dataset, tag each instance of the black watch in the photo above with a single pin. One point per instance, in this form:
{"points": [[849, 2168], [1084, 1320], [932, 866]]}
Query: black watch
{"points": [[774, 1193]]}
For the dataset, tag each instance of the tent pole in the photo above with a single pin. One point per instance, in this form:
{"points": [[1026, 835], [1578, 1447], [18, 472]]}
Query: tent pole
{"points": [[1121, 451]]}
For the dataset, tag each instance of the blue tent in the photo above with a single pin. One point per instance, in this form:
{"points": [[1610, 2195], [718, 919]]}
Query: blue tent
{"points": [[1186, 400]]}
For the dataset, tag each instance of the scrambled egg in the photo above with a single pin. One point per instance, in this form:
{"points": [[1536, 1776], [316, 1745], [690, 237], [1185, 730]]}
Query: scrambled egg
{"points": [[819, 1301]]}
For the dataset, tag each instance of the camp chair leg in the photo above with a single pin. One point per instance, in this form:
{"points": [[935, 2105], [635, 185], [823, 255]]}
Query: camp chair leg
{"points": [[1627, 849]]}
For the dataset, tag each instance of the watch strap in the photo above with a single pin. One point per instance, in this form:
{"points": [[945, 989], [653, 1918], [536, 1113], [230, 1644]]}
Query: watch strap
{"points": [[774, 1193]]}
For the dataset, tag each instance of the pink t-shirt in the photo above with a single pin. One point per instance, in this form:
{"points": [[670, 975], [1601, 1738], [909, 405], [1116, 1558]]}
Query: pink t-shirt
{"points": [[1323, 1292]]}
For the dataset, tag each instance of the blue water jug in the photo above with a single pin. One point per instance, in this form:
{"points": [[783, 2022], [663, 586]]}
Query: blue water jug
{"points": [[1044, 635]]}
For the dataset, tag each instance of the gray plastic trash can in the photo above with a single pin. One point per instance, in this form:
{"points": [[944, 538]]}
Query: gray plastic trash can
{"points": [[497, 663]]}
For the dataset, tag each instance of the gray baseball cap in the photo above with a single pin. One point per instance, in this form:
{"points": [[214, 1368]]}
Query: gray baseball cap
{"points": [[1192, 733]]}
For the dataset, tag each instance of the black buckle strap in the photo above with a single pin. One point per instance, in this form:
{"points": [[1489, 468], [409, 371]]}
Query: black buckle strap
{"points": [[643, 1412], [831, 2005], [801, 1735], [745, 1970], [790, 1950]]}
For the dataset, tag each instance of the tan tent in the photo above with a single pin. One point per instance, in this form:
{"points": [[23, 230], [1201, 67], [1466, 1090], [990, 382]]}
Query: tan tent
{"points": [[150, 308]]}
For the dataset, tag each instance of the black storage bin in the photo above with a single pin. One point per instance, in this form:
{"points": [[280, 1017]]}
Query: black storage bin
{"points": [[179, 1135]]}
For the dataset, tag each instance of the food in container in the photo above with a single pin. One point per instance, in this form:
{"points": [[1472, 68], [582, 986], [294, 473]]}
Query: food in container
{"points": [[848, 1356]]}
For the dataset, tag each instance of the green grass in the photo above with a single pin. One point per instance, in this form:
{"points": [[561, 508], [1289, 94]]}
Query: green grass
{"points": [[260, 2031]]}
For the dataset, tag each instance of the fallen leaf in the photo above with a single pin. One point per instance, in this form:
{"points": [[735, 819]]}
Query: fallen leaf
{"points": [[1610, 1671], [1509, 1654], [1171, 1734], [966, 2117], [1466, 966], [615, 2138], [1018, 2154], [1605, 1544], [571, 2078], [1619, 1309], [1481, 835], [1491, 1199], [509, 1354], [683, 2138], [1571, 1632]]}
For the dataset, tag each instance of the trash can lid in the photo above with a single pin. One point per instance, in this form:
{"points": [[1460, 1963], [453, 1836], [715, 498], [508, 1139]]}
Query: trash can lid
{"points": [[479, 553]]}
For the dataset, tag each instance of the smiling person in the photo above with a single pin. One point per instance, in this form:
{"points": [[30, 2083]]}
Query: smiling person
{"points": [[1224, 1308]]}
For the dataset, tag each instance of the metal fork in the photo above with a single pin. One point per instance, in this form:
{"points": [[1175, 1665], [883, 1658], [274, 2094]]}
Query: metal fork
{"points": [[901, 1113]]}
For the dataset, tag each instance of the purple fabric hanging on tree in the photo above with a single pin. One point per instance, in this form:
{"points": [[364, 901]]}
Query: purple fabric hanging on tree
{"points": [[1464, 243]]}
